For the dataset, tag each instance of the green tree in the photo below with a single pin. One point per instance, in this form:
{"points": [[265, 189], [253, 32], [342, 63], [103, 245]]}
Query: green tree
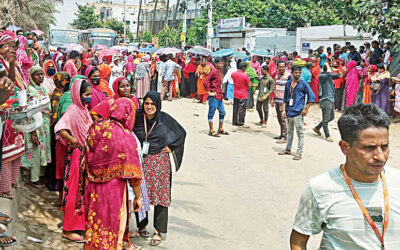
{"points": [[147, 37], [85, 18], [195, 34], [28, 14], [115, 25], [374, 16]]}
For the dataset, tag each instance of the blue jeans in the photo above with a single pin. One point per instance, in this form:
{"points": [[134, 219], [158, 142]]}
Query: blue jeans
{"points": [[214, 104]]}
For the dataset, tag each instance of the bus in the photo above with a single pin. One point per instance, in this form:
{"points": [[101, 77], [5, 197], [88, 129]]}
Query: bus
{"points": [[102, 36], [60, 37]]}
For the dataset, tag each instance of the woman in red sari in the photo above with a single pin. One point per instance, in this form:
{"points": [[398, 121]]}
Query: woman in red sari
{"points": [[110, 162], [73, 127], [315, 71]]}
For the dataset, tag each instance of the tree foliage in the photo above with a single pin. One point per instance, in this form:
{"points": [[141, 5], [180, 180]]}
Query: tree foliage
{"points": [[195, 34], [86, 19], [374, 16], [169, 37], [28, 14], [276, 13]]}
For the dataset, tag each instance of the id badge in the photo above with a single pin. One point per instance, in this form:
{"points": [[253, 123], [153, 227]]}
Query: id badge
{"points": [[201, 77], [291, 102], [265, 89], [146, 146]]}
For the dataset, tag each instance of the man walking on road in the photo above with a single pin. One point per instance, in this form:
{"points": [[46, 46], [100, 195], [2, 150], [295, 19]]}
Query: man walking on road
{"points": [[265, 88], [281, 79], [355, 204], [241, 83], [212, 84], [296, 93], [168, 77], [326, 101]]}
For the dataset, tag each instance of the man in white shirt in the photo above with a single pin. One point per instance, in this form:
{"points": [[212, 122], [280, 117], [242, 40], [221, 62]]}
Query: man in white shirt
{"points": [[356, 205], [168, 77]]}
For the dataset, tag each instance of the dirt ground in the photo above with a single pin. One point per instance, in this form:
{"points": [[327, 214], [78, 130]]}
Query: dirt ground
{"points": [[232, 192]]}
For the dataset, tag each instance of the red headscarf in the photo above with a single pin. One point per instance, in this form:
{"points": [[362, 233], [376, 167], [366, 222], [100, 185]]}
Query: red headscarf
{"points": [[112, 149], [190, 68]]}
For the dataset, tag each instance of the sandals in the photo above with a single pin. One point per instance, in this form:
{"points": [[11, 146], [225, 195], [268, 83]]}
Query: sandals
{"points": [[5, 219], [297, 157], [214, 134], [277, 137], [16, 186], [81, 239], [223, 132], [6, 235], [285, 152], [144, 233], [131, 247], [7, 195], [154, 241]]}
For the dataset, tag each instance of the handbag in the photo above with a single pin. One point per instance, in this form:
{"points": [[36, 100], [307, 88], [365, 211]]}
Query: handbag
{"points": [[376, 86]]}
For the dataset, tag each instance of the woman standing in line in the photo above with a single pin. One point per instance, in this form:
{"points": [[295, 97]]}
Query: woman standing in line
{"points": [[160, 135], [93, 76], [110, 162], [73, 127], [142, 77], [38, 152]]}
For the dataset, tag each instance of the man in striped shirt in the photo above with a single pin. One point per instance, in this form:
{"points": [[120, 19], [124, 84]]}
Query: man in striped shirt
{"points": [[281, 79], [355, 205]]}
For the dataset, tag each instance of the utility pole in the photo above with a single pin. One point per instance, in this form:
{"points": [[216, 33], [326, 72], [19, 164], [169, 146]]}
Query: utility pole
{"points": [[183, 35], [124, 21], [210, 30], [138, 21]]}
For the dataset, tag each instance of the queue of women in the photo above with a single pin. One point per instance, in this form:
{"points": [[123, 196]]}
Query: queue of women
{"points": [[107, 151]]}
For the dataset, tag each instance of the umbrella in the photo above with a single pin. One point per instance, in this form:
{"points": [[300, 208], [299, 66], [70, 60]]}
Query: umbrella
{"points": [[13, 28], [132, 49], [38, 32], [100, 47], [108, 52], [168, 51], [240, 55], [119, 47], [147, 49], [200, 51], [261, 52], [71, 46], [224, 52]]}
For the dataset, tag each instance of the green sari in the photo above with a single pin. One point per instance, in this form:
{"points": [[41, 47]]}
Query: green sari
{"points": [[43, 133]]}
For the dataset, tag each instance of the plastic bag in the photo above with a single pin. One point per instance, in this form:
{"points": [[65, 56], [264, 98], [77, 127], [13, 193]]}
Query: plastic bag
{"points": [[28, 124]]}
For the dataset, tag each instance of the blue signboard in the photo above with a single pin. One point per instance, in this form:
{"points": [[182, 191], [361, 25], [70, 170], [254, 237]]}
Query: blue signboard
{"points": [[305, 47]]}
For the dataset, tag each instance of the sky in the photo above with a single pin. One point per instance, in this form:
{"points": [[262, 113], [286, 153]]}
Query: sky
{"points": [[68, 8]]}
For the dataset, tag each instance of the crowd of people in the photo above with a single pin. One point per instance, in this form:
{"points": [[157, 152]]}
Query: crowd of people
{"points": [[106, 143]]}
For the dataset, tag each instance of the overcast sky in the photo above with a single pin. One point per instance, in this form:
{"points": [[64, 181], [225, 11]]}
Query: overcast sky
{"points": [[67, 10]]}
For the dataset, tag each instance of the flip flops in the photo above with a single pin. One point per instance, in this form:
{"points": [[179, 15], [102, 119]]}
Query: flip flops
{"points": [[80, 240], [6, 234], [7, 196], [144, 234], [214, 134], [7, 220], [223, 132]]}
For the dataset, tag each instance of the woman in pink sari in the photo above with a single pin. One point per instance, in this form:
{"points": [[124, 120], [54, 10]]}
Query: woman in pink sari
{"points": [[23, 59], [110, 162], [73, 127], [255, 64], [352, 83]]}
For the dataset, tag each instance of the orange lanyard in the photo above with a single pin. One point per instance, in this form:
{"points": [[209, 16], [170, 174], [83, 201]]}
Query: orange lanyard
{"points": [[145, 127], [365, 211]]}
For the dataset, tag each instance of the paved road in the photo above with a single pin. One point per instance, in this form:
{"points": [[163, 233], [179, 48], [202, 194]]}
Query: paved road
{"points": [[232, 192]]}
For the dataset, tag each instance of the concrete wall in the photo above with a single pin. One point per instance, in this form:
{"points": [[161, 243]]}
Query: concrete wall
{"points": [[275, 44], [328, 35]]}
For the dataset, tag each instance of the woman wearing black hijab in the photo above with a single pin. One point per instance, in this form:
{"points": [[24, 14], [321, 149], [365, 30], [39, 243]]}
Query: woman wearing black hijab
{"points": [[160, 136]]}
